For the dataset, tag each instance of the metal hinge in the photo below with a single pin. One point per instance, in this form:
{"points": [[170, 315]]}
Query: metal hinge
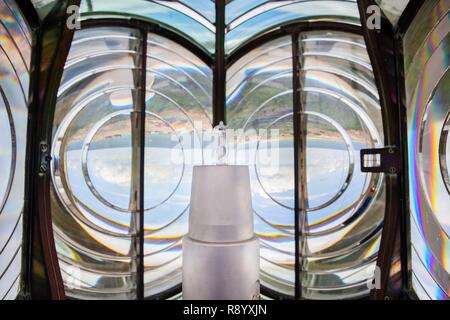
{"points": [[385, 160]]}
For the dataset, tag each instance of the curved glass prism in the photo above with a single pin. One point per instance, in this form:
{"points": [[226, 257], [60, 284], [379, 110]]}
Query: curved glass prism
{"points": [[248, 19], [193, 19]]}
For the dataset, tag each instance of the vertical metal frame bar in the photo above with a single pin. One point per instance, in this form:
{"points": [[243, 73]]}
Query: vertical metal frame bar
{"points": [[404, 220], [219, 78], [300, 169], [138, 160], [297, 156], [138, 171], [29, 177], [302, 178], [52, 47], [381, 49], [32, 19], [142, 105], [143, 86], [404, 22]]}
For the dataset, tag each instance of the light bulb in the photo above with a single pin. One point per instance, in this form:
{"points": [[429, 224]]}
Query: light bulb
{"points": [[221, 151]]}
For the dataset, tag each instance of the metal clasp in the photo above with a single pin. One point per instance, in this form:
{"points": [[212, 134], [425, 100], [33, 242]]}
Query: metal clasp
{"points": [[45, 158], [381, 160]]}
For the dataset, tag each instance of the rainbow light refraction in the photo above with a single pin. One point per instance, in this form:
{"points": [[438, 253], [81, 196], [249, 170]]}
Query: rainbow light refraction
{"points": [[428, 106]]}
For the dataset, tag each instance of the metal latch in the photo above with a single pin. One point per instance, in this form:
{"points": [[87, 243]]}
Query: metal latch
{"points": [[386, 160]]}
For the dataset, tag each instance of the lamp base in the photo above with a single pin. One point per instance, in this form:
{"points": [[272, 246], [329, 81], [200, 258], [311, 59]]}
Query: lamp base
{"points": [[220, 271]]}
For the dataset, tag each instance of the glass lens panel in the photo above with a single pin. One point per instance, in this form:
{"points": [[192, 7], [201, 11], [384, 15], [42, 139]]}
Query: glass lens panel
{"points": [[178, 111], [340, 238], [428, 104], [259, 109], [342, 229], [15, 53], [94, 148], [93, 211], [342, 225]]}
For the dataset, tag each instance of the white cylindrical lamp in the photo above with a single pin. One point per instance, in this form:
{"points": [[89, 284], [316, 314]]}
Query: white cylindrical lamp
{"points": [[221, 251]]}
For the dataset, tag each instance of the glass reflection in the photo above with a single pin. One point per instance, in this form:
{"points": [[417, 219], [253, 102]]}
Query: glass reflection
{"points": [[426, 46], [15, 53]]}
